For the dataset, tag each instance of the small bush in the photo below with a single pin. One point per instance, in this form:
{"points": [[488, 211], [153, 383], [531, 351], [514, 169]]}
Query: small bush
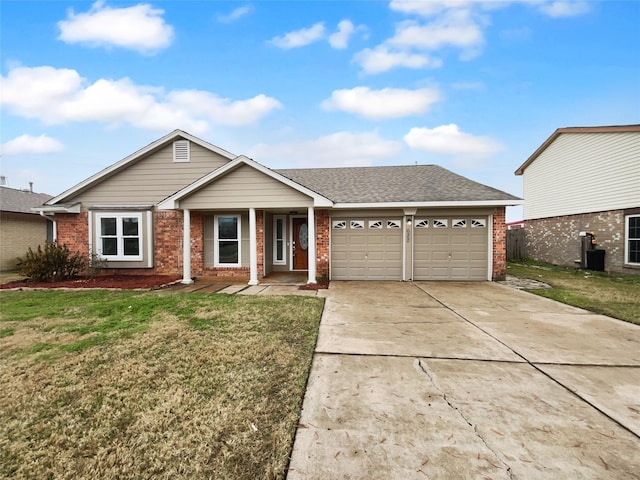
{"points": [[51, 264]]}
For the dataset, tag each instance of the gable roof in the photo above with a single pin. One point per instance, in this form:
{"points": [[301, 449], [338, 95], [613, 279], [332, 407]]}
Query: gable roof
{"points": [[20, 201], [560, 131], [409, 184], [134, 157], [172, 201]]}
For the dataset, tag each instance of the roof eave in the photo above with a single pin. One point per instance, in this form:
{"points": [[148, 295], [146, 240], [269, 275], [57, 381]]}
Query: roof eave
{"points": [[60, 208], [438, 204], [559, 131]]}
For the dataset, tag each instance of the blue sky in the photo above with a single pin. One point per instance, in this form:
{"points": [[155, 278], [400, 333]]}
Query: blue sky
{"points": [[474, 86]]}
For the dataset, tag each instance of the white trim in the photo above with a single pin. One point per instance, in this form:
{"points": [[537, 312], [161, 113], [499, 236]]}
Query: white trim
{"points": [[151, 255], [68, 208], [161, 142], [216, 252], [274, 259], [490, 246], [253, 248], [136, 207], [457, 204], [120, 236], [404, 248], [186, 247], [172, 202], [626, 239], [311, 245]]}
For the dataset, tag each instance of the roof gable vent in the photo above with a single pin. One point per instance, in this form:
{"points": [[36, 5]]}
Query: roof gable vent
{"points": [[181, 151]]}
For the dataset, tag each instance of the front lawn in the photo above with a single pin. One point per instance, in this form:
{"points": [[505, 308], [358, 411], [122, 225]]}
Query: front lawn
{"points": [[615, 295], [129, 385]]}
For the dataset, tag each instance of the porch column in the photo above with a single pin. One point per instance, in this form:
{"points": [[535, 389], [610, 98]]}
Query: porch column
{"points": [[311, 249], [253, 248], [186, 247]]}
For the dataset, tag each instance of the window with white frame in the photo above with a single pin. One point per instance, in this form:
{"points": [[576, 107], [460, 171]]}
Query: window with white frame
{"points": [[632, 241], [279, 240], [227, 241], [119, 236]]}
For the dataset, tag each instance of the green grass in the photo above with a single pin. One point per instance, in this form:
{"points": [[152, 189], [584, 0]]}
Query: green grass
{"points": [[125, 385], [615, 295]]}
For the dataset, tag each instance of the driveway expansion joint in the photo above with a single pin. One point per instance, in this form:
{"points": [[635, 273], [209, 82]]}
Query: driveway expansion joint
{"points": [[425, 370], [537, 368]]}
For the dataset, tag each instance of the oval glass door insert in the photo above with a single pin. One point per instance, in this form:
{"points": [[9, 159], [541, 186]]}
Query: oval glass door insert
{"points": [[303, 240]]}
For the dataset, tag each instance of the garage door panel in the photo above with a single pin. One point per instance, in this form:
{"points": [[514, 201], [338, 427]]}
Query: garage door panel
{"points": [[451, 253], [373, 252]]}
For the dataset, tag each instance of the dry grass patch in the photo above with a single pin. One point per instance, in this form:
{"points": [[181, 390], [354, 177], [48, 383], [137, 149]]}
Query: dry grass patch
{"points": [[178, 385], [615, 294]]}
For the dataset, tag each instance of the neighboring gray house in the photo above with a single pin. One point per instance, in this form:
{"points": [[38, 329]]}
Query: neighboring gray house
{"points": [[584, 180], [240, 218], [20, 227]]}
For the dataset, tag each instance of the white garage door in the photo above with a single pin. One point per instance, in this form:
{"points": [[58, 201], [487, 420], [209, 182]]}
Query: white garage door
{"points": [[450, 248], [366, 249]]}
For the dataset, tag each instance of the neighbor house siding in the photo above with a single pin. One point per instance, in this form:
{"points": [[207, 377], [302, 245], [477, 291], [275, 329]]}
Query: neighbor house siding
{"points": [[583, 172], [151, 179], [19, 232], [557, 240], [243, 188]]}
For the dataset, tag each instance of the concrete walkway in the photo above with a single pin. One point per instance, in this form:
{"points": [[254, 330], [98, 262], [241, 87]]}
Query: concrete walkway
{"points": [[467, 380]]}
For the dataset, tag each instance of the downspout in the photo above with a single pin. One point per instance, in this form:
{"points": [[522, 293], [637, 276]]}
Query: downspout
{"points": [[55, 225]]}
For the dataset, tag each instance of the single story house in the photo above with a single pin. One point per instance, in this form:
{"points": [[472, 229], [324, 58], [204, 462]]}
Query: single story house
{"points": [[20, 227], [584, 183], [184, 206]]}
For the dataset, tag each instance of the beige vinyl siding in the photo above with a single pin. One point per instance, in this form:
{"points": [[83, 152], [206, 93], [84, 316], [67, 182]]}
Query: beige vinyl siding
{"points": [[245, 187], [18, 232], [584, 172], [152, 178]]}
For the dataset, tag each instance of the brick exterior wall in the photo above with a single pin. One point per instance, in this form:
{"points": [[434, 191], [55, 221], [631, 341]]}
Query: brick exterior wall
{"points": [[167, 242], [499, 271], [18, 232], [557, 240], [73, 231], [322, 244]]}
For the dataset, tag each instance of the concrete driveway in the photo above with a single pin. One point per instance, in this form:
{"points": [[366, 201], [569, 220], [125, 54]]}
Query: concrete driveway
{"points": [[467, 380]]}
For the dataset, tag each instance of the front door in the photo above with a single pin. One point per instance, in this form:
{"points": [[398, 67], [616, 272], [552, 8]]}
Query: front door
{"points": [[300, 244]]}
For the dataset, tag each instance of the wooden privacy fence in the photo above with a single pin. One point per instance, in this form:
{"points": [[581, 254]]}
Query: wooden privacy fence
{"points": [[516, 248]]}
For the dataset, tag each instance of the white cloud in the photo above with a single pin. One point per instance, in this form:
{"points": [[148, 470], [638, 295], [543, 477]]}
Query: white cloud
{"points": [[382, 59], [382, 104], [340, 39], [231, 112], [432, 7], [340, 149], [455, 28], [450, 140], [300, 38], [30, 144], [140, 27], [561, 9], [58, 96], [235, 14]]}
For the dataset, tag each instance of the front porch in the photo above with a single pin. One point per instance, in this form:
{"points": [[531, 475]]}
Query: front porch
{"points": [[256, 246]]}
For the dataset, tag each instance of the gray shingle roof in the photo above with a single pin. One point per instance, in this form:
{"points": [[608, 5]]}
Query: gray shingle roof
{"points": [[20, 201], [411, 183]]}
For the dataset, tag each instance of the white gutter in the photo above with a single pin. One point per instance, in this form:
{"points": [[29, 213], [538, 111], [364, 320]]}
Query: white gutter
{"points": [[458, 204]]}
